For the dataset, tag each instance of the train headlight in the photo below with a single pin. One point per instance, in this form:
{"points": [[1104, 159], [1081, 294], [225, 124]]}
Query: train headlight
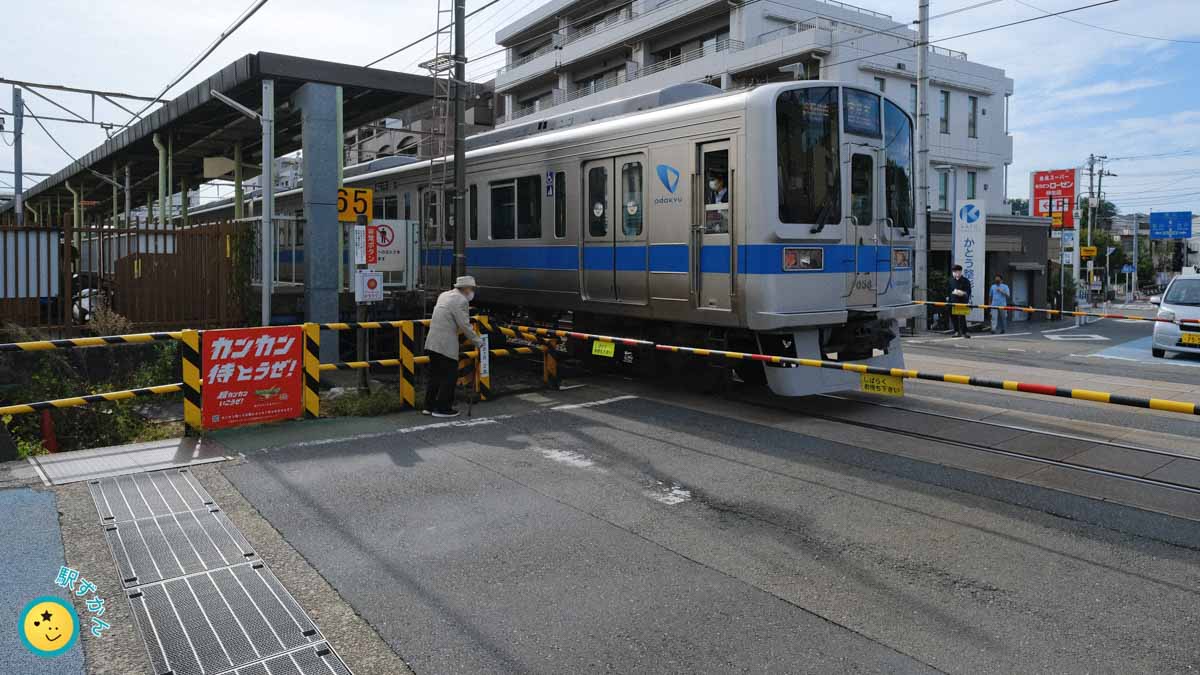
{"points": [[803, 259]]}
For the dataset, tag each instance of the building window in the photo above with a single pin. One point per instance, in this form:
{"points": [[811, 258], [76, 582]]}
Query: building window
{"points": [[973, 117], [943, 190], [912, 99], [517, 208], [970, 185], [881, 84], [560, 205], [944, 118]]}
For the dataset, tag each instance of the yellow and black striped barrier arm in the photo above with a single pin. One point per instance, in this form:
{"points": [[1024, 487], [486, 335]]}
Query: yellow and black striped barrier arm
{"points": [[550, 366], [312, 371], [75, 401], [408, 371], [352, 325], [1056, 312], [533, 330], [192, 379], [103, 341], [1166, 405]]}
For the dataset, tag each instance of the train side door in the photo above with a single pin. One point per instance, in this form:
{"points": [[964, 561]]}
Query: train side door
{"points": [[865, 200], [436, 274], [614, 237], [599, 240], [712, 237]]}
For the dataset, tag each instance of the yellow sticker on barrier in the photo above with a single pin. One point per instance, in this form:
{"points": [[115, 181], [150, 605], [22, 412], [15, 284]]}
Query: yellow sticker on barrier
{"points": [[961, 310], [888, 385], [604, 349]]}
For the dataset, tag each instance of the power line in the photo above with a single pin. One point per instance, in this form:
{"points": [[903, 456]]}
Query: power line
{"points": [[1112, 30], [418, 41], [243, 18]]}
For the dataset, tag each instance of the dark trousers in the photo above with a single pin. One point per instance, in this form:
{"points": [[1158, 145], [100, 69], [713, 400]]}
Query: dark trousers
{"points": [[959, 322], [439, 392]]}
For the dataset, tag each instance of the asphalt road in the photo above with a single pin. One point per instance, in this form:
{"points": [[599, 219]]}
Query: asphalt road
{"points": [[637, 536], [1105, 347]]}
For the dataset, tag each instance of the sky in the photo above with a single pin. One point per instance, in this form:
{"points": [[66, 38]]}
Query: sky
{"points": [[1078, 89]]}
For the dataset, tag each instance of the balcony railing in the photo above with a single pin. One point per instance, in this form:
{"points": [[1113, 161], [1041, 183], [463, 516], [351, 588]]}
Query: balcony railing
{"points": [[598, 85], [688, 56], [555, 43], [961, 56], [855, 8], [792, 29]]}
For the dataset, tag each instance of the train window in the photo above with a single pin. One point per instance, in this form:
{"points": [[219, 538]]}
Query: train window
{"points": [[529, 207], [474, 197], [716, 191], [806, 125], [862, 189], [430, 216], [597, 202], [517, 208], [899, 172], [560, 205], [504, 203], [631, 198], [407, 206], [391, 209], [862, 113], [451, 207]]}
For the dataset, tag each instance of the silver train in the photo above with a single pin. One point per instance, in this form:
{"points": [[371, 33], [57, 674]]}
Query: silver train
{"points": [[777, 219]]}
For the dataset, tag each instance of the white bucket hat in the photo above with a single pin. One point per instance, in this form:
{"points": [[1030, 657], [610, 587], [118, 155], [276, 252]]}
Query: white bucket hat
{"points": [[465, 282]]}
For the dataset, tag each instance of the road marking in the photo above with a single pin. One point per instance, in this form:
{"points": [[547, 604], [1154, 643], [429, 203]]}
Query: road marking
{"points": [[669, 494], [1059, 330], [568, 457], [569, 387], [592, 404], [1086, 337], [1105, 356], [1004, 335], [1014, 349]]}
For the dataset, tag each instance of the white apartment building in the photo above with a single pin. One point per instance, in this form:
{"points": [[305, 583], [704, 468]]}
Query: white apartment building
{"points": [[570, 54]]}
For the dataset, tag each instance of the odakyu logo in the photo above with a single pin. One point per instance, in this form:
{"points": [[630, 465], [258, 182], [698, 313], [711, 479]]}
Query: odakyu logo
{"points": [[669, 177], [969, 213]]}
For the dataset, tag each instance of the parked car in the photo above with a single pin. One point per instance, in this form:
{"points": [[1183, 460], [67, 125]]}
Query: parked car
{"points": [[1180, 301]]}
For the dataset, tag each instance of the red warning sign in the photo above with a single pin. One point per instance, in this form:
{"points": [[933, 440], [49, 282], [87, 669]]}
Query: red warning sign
{"points": [[372, 245], [251, 375]]}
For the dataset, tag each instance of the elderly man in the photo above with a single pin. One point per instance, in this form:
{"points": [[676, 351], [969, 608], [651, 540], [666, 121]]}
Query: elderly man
{"points": [[450, 317]]}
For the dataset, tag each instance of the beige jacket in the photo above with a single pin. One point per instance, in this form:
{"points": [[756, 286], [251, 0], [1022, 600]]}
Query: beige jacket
{"points": [[450, 317]]}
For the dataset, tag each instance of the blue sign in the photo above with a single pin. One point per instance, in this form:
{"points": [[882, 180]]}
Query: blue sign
{"points": [[969, 213], [1171, 225], [1127, 269]]}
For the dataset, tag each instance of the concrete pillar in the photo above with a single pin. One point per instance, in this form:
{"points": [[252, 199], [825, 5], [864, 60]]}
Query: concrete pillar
{"points": [[319, 128]]}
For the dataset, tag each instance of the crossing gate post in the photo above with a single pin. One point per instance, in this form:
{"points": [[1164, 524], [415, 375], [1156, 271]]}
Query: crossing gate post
{"points": [[550, 365], [408, 392], [312, 371], [192, 365], [483, 370]]}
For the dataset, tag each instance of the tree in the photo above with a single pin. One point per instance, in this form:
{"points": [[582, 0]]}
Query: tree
{"points": [[1105, 212], [1020, 207]]}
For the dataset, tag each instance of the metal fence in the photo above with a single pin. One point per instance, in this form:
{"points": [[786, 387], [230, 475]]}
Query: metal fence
{"points": [[59, 279]]}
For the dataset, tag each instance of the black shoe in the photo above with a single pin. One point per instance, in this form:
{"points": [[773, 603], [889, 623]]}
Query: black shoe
{"points": [[446, 413]]}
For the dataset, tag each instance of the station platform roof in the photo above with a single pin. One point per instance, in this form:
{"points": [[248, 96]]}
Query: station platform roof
{"points": [[202, 126]]}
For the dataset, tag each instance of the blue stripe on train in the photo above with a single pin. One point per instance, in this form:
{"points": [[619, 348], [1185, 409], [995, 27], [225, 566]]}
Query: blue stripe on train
{"points": [[752, 258]]}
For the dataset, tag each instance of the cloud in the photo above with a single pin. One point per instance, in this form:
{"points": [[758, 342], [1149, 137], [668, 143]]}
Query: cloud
{"points": [[1107, 88]]}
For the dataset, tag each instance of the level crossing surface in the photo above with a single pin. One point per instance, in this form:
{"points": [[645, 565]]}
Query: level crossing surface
{"points": [[598, 529]]}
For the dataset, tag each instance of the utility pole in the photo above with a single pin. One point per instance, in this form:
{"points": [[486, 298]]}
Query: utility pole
{"points": [[19, 182], [920, 290], [460, 144]]}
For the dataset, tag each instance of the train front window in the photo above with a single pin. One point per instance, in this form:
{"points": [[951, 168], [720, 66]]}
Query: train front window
{"points": [[597, 188], [806, 125], [898, 149], [631, 197]]}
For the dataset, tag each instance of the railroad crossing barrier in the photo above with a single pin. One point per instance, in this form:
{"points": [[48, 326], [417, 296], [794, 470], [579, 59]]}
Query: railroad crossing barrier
{"points": [[1055, 312]]}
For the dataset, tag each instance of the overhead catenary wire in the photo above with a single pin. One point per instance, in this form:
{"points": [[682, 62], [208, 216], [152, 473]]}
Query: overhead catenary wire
{"points": [[1113, 30], [427, 37], [237, 23]]}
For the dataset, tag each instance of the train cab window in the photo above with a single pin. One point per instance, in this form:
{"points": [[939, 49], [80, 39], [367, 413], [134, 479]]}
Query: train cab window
{"points": [[597, 202], [391, 209], [806, 125], [862, 189], [517, 208], [451, 207], [473, 195], [560, 205], [631, 198], [716, 191], [898, 149]]}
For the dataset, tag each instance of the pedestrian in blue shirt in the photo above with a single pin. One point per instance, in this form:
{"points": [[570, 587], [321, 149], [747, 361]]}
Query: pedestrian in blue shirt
{"points": [[1000, 296]]}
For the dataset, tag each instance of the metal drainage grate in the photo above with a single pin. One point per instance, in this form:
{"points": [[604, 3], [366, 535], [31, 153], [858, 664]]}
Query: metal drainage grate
{"points": [[143, 495], [164, 547], [222, 620], [316, 660]]}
